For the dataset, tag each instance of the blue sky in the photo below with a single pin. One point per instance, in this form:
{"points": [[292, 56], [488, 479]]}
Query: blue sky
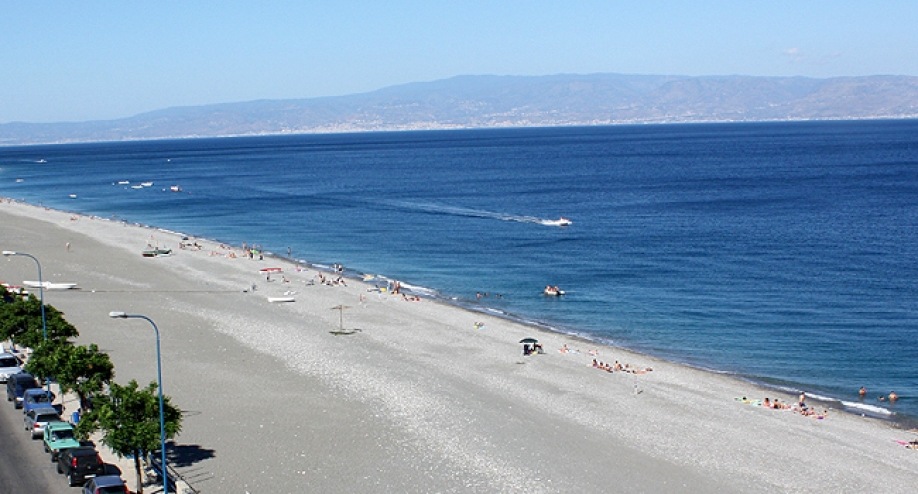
{"points": [[75, 61]]}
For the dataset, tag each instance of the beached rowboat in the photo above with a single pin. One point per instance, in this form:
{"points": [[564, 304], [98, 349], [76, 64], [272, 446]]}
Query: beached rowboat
{"points": [[47, 285]]}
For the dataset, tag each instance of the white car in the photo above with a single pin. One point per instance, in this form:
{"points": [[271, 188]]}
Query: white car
{"points": [[37, 418], [9, 365]]}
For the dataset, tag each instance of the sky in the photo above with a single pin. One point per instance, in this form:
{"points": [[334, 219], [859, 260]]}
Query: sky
{"points": [[66, 61]]}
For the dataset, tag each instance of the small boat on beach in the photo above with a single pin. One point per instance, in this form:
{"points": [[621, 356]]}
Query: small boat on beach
{"points": [[156, 253], [15, 290], [278, 300], [47, 285], [270, 270]]}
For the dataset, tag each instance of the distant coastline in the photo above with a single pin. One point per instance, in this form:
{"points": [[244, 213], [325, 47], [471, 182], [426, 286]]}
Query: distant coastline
{"points": [[481, 102]]}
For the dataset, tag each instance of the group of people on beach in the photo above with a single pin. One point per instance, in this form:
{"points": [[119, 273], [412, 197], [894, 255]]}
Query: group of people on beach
{"points": [[800, 407], [618, 367], [184, 243], [329, 281]]}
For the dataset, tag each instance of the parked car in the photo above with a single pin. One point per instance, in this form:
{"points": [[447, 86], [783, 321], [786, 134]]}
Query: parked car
{"points": [[37, 418], [58, 436], [17, 384], [9, 365], [36, 398], [105, 484], [78, 464]]}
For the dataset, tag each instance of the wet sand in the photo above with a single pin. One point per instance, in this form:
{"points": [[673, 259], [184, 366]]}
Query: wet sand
{"points": [[416, 399]]}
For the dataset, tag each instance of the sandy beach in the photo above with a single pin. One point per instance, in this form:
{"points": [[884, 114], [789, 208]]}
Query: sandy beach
{"points": [[417, 397]]}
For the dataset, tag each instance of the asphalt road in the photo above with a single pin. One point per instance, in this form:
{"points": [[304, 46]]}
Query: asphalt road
{"points": [[25, 468]]}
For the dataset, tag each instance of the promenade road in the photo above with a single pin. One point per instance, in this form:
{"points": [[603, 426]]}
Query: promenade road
{"points": [[24, 465]]}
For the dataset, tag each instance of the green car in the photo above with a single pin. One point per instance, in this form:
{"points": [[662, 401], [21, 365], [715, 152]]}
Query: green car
{"points": [[58, 436]]}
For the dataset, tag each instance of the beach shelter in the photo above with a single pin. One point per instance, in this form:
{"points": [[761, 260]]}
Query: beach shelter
{"points": [[340, 309]]}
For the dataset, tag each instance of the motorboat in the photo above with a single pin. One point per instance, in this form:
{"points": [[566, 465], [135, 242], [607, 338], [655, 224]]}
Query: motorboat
{"points": [[562, 221], [553, 291], [175, 188]]}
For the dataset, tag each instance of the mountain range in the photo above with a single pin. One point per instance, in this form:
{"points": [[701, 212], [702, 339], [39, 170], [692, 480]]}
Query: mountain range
{"points": [[481, 101]]}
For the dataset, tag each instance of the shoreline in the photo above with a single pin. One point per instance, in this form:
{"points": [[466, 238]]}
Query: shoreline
{"points": [[854, 407], [677, 419], [859, 408]]}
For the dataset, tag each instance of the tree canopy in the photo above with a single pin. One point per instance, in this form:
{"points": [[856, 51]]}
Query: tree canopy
{"points": [[129, 419], [82, 369], [127, 415], [20, 321]]}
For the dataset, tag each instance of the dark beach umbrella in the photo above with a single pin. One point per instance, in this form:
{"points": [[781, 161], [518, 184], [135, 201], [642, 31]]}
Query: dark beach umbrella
{"points": [[529, 340]]}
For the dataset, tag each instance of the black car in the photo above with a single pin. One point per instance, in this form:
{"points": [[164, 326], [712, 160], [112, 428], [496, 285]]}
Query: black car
{"points": [[80, 463], [16, 386]]}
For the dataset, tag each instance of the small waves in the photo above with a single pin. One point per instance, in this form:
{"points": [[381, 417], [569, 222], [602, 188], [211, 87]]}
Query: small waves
{"points": [[865, 409], [418, 290]]}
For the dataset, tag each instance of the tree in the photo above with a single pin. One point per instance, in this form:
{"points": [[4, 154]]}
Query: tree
{"points": [[81, 369], [20, 321], [129, 419]]}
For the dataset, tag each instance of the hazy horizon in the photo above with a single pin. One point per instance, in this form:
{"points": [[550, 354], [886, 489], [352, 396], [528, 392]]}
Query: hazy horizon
{"points": [[85, 62]]}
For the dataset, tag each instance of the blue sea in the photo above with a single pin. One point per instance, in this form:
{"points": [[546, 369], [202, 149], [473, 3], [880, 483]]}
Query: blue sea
{"points": [[782, 253]]}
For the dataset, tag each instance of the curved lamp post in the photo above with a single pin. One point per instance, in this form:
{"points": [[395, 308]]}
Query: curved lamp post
{"points": [[41, 299], [159, 377]]}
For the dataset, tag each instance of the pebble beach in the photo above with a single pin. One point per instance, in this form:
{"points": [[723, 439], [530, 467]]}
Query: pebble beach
{"points": [[349, 388]]}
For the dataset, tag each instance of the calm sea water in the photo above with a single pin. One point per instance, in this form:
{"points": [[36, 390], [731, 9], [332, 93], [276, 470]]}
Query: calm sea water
{"points": [[784, 253]]}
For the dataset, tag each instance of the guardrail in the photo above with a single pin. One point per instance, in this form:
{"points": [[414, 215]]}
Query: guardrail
{"points": [[177, 484]]}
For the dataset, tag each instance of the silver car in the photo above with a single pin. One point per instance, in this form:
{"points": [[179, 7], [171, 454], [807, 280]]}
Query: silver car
{"points": [[36, 419], [9, 365]]}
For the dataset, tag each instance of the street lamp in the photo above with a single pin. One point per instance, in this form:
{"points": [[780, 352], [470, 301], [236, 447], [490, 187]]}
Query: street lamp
{"points": [[159, 377], [41, 299]]}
